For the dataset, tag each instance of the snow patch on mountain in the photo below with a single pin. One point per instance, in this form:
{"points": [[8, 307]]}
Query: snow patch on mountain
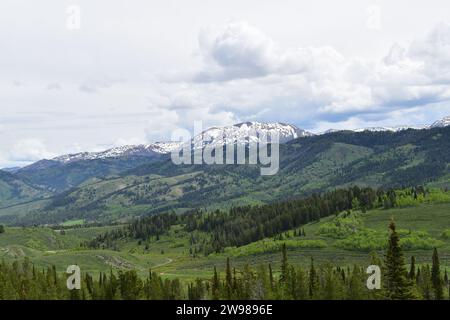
{"points": [[390, 129], [444, 122], [232, 134], [245, 132], [122, 151], [235, 134]]}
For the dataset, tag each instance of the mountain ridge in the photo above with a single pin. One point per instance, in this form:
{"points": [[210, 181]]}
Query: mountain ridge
{"points": [[307, 165], [287, 132]]}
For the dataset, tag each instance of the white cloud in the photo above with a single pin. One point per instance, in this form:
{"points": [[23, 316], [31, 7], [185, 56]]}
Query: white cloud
{"points": [[248, 73], [29, 150], [239, 50], [148, 74]]}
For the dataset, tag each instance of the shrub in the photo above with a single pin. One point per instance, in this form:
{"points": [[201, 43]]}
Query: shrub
{"points": [[446, 234], [344, 225], [369, 240], [265, 246], [365, 240]]}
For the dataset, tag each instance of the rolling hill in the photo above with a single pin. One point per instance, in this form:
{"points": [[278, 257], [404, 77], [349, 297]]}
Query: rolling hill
{"points": [[59, 176], [307, 164], [420, 225], [15, 190]]}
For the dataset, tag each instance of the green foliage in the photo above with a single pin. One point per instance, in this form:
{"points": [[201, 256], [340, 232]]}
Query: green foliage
{"points": [[318, 282], [436, 276], [344, 225], [415, 196], [267, 246], [398, 286], [446, 234], [372, 240], [243, 225], [419, 240], [366, 240]]}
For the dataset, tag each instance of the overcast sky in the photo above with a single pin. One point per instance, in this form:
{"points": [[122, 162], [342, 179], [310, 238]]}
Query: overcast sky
{"points": [[132, 71]]}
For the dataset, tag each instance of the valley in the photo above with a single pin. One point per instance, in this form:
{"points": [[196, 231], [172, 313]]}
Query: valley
{"points": [[423, 226]]}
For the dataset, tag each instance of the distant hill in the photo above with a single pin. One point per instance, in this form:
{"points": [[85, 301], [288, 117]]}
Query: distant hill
{"points": [[15, 190], [308, 164], [58, 176]]}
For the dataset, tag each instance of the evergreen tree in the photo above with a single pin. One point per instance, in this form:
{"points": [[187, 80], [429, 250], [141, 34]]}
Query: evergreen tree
{"points": [[412, 270], [397, 284], [271, 276], [313, 281], [284, 264], [436, 277], [446, 283], [215, 285], [228, 279]]}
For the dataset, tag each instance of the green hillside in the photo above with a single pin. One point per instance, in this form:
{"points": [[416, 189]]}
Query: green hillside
{"points": [[311, 164], [59, 176], [343, 240], [15, 190]]}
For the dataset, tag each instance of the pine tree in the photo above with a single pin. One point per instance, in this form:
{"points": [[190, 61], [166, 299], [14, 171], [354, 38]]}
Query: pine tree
{"points": [[412, 270], [436, 277], [228, 279], [424, 282], [398, 286], [271, 276], [446, 283], [312, 279], [215, 290], [284, 264]]}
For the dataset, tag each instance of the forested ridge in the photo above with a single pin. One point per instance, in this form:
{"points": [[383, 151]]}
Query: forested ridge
{"points": [[243, 225]]}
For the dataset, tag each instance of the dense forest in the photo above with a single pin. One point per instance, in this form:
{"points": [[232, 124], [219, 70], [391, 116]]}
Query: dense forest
{"points": [[25, 281]]}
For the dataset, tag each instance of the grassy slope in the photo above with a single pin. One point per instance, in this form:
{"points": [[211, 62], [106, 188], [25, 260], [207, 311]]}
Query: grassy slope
{"points": [[170, 255]]}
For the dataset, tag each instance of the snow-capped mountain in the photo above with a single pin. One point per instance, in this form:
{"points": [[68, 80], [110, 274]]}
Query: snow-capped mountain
{"points": [[391, 129], [376, 129], [245, 132], [444, 122], [233, 134], [238, 133], [131, 150]]}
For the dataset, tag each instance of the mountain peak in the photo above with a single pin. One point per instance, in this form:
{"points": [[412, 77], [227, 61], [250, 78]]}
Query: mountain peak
{"points": [[444, 122], [240, 131], [145, 150], [233, 133]]}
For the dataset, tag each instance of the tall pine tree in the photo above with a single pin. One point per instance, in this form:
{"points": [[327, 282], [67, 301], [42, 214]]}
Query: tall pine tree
{"points": [[436, 277], [398, 286]]}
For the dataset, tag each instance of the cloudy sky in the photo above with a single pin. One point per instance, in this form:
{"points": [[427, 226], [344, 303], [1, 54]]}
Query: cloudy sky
{"points": [[88, 75]]}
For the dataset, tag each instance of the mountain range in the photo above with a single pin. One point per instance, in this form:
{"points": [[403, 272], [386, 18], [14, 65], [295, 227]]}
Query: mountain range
{"points": [[136, 180], [235, 133]]}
